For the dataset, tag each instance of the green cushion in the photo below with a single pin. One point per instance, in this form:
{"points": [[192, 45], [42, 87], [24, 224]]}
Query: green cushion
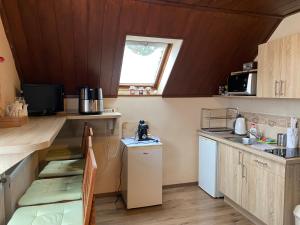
{"points": [[70, 213], [63, 168], [52, 190], [64, 154]]}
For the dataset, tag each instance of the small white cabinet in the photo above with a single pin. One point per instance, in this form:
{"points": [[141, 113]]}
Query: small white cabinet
{"points": [[141, 174]]}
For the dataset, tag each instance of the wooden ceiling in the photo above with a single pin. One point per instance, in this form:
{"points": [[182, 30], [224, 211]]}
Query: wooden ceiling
{"points": [[80, 42], [274, 8]]}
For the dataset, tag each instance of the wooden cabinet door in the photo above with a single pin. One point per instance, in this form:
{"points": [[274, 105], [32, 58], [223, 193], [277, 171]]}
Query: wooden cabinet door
{"points": [[290, 70], [269, 69], [230, 179], [263, 189]]}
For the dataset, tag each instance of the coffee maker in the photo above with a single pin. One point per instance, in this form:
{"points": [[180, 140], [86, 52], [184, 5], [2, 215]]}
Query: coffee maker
{"points": [[143, 131], [91, 101]]}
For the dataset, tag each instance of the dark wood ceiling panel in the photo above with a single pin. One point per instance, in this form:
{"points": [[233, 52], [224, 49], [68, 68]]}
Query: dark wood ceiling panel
{"points": [[95, 16], [64, 21], [81, 42], [49, 34], [259, 7], [129, 24], [110, 35], [212, 59], [32, 31], [80, 24], [14, 27], [167, 21]]}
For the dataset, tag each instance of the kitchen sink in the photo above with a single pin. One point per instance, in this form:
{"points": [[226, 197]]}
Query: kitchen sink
{"points": [[235, 139]]}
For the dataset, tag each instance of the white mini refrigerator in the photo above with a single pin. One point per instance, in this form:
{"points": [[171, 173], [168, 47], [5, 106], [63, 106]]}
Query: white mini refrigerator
{"points": [[208, 167], [141, 173]]}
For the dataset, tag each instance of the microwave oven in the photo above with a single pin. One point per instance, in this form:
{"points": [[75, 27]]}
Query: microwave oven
{"points": [[242, 83]]}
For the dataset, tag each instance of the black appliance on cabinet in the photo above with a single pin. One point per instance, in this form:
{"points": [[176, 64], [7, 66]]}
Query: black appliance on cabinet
{"points": [[143, 131], [43, 99]]}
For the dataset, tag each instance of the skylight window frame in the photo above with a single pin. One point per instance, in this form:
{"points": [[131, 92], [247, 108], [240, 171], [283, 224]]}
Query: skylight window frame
{"points": [[160, 71]]}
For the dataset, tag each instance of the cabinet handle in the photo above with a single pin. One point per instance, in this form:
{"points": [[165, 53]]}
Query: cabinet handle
{"points": [[283, 87], [280, 88], [276, 88], [244, 172], [261, 163], [240, 158]]}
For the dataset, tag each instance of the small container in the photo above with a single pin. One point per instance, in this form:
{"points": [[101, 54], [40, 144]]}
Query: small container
{"points": [[292, 138], [281, 140], [249, 141], [132, 90]]}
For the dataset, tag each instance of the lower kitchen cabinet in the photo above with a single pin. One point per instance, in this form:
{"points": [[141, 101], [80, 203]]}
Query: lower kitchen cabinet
{"points": [[230, 168], [266, 189], [263, 189]]}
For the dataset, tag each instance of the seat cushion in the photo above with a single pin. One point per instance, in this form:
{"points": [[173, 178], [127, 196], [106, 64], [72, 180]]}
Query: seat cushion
{"points": [[64, 153], [52, 214], [52, 190], [63, 168]]}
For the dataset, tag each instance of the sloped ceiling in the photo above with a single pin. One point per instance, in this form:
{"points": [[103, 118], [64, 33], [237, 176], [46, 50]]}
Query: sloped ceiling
{"points": [[80, 42]]}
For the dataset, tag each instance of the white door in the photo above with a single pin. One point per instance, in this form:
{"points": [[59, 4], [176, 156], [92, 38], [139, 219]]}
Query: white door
{"points": [[208, 166]]}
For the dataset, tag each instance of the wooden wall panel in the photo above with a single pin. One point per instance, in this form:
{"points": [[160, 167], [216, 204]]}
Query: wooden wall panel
{"points": [[80, 32], [64, 21], [80, 42], [110, 35], [34, 40], [276, 8]]}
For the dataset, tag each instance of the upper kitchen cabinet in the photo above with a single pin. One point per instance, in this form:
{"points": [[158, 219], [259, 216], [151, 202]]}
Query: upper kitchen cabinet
{"points": [[279, 68]]}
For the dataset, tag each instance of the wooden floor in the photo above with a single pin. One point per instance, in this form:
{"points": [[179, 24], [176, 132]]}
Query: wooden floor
{"points": [[181, 206]]}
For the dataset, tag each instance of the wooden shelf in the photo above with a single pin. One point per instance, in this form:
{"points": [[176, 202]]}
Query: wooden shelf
{"points": [[105, 115], [236, 96]]}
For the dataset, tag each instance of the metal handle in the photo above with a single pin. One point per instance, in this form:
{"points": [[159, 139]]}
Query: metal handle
{"points": [[261, 163], [276, 87], [244, 172], [280, 88], [240, 158]]}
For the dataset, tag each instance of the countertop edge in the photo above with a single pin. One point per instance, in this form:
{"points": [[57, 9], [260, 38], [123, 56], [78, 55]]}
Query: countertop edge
{"points": [[250, 149]]}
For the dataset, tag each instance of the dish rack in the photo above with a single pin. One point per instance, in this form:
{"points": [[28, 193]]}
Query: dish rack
{"points": [[218, 120]]}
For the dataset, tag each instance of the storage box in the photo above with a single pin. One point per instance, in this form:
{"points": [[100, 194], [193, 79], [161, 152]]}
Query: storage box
{"points": [[6, 122]]}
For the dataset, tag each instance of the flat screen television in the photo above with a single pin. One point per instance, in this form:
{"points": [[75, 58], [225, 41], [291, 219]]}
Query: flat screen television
{"points": [[43, 99]]}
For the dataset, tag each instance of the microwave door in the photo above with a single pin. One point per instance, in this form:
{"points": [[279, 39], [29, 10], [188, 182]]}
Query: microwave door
{"points": [[237, 84]]}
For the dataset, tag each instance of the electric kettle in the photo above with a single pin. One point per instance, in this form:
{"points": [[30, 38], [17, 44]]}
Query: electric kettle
{"points": [[240, 125]]}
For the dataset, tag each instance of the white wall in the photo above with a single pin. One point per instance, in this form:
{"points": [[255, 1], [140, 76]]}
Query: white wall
{"points": [[174, 120], [9, 80], [280, 107], [288, 26]]}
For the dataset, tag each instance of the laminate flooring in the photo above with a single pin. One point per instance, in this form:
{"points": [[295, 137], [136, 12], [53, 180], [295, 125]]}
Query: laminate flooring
{"points": [[181, 206]]}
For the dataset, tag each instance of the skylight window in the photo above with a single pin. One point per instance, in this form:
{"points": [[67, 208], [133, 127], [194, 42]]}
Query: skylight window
{"points": [[147, 62], [143, 63]]}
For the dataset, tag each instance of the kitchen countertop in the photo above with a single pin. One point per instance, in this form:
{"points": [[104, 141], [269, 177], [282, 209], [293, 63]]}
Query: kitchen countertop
{"points": [[220, 137], [17, 143]]}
